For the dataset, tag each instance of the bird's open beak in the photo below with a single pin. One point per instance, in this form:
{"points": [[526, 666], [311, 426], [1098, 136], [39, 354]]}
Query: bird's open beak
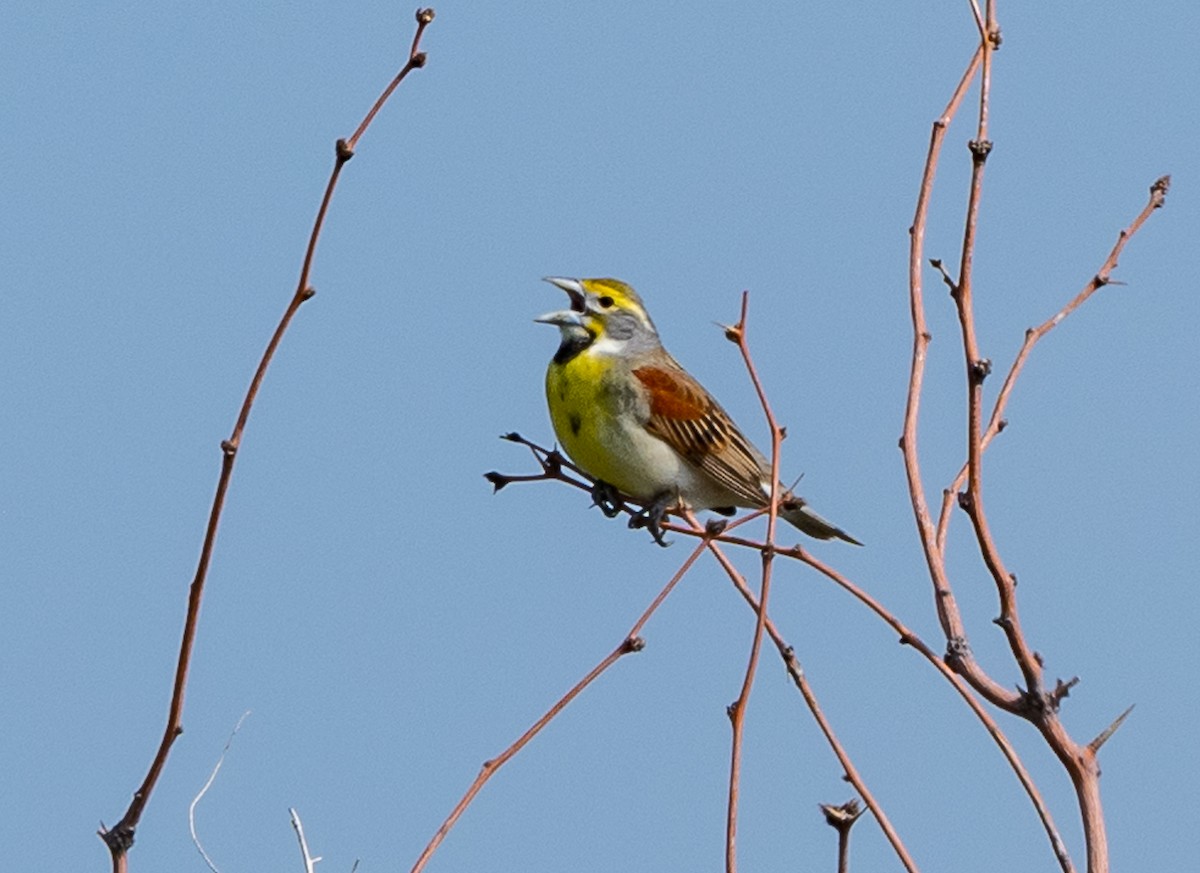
{"points": [[574, 289], [563, 318]]}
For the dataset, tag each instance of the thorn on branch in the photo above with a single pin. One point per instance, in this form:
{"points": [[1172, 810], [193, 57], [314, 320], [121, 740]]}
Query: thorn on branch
{"points": [[1094, 745], [1061, 691]]}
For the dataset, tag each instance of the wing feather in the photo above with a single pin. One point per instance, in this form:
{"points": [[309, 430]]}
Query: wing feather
{"points": [[686, 417]]}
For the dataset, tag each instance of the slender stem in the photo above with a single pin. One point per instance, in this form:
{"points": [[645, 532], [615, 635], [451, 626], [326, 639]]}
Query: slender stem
{"points": [[1103, 276], [737, 712], [119, 838], [632, 642], [794, 670]]}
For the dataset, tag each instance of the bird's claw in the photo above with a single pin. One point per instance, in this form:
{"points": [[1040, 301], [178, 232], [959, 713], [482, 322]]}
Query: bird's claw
{"points": [[651, 518], [607, 498]]}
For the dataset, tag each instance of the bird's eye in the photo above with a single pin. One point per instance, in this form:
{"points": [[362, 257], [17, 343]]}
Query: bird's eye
{"points": [[605, 301]]}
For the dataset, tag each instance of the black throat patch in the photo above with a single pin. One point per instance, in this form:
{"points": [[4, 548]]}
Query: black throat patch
{"points": [[572, 345]]}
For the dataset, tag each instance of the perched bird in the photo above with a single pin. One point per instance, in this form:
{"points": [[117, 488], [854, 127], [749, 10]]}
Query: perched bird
{"points": [[631, 417]]}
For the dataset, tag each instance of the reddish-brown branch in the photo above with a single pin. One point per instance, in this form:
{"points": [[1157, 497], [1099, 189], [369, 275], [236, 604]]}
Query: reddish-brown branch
{"points": [[119, 838], [1103, 276], [632, 642], [737, 712], [948, 613], [794, 670], [552, 465]]}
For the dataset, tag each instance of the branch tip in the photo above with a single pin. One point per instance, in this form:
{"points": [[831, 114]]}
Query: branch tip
{"points": [[980, 149], [425, 16], [842, 817], [1158, 191]]}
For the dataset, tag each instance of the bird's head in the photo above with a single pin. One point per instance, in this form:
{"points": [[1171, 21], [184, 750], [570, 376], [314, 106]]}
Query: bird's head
{"points": [[606, 314]]}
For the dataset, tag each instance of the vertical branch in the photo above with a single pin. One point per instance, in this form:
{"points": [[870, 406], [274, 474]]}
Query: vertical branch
{"points": [[944, 601], [788, 654], [978, 368], [119, 838], [737, 711]]}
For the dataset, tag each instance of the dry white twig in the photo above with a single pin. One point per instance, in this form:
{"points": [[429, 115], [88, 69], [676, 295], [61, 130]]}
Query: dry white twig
{"points": [[212, 777], [310, 863]]}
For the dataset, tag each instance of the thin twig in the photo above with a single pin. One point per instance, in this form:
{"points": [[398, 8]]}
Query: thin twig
{"points": [[632, 642], [310, 863], [1103, 277], [944, 601], [119, 838], [724, 536], [737, 712], [208, 784], [793, 667]]}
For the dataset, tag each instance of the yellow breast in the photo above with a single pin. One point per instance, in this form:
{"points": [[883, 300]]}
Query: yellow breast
{"points": [[599, 418]]}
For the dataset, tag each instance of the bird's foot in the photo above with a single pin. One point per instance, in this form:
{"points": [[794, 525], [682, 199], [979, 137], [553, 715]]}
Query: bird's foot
{"points": [[652, 515], [607, 498]]}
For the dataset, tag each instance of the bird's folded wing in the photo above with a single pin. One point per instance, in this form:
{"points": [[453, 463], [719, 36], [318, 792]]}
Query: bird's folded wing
{"points": [[687, 418]]}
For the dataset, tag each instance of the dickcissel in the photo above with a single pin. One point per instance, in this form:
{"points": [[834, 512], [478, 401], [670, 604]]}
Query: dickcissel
{"points": [[632, 418]]}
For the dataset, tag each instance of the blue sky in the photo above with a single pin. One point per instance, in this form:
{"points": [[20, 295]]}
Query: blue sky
{"points": [[388, 621]]}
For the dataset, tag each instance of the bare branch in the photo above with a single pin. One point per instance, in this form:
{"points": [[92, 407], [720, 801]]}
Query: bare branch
{"points": [[632, 642], [310, 863], [119, 838], [737, 712]]}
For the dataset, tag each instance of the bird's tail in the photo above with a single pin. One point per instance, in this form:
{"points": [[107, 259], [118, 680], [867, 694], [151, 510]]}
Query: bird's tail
{"points": [[797, 513]]}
